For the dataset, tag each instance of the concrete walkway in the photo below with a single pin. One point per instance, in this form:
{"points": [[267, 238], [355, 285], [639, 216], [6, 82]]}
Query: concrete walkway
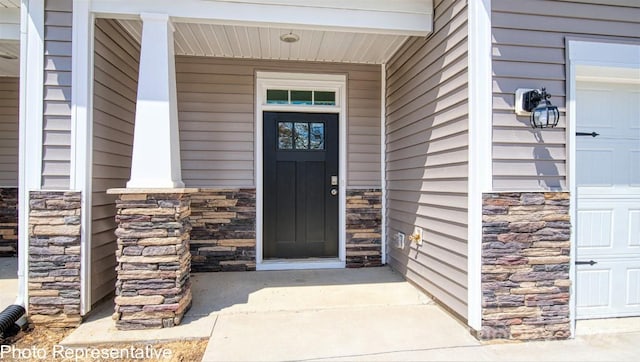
{"points": [[8, 281], [343, 315]]}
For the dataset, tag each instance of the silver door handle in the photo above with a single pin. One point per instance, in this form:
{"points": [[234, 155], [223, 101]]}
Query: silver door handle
{"points": [[334, 192]]}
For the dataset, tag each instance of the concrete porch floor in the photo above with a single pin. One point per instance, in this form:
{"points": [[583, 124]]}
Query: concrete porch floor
{"points": [[8, 281], [345, 315]]}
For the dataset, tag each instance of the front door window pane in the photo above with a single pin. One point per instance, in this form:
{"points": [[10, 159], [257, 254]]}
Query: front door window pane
{"points": [[316, 136], [285, 135], [301, 136]]}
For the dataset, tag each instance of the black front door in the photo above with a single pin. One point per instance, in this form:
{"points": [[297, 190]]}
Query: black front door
{"points": [[300, 185]]}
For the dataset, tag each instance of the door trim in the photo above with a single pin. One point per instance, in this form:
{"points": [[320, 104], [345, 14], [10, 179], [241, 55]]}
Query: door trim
{"points": [[331, 82], [586, 52]]}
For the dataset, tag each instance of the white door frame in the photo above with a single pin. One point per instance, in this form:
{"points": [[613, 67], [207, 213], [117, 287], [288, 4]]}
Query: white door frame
{"points": [[301, 81], [587, 52]]}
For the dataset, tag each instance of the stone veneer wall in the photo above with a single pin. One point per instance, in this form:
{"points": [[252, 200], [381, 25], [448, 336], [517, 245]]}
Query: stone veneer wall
{"points": [[153, 289], [54, 258], [223, 237], [525, 266], [364, 228], [8, 221]]}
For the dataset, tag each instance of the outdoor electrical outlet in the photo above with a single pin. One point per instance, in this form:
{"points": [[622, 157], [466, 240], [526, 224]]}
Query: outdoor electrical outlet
{"points": [[399, 240], [416, 237]]}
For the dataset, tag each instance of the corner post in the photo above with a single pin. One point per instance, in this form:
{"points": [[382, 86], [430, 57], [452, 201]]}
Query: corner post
{"points": [[156, 144]]}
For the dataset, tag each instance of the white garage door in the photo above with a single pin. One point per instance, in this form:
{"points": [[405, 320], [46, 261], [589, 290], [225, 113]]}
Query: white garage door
{"points": [[608, 187]]}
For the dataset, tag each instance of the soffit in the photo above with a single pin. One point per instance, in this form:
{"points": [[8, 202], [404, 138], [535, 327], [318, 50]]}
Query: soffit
{"points": [[9, 38], [237, 41], [10, 67], [9, 4]]}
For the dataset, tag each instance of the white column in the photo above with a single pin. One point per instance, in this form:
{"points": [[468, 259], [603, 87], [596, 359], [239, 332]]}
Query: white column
{"points": [[156, 144]]}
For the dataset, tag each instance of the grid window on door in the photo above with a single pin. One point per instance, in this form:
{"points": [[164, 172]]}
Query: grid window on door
{"points": [[300, 136]]}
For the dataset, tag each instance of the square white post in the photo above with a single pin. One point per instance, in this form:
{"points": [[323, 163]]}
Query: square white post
{"points": [[156, 144]]}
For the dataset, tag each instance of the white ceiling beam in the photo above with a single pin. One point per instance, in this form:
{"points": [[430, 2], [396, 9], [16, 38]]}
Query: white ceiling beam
{"points": [[268, 15]]}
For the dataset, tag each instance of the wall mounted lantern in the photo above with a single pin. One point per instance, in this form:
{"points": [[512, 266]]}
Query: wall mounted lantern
{"points": [[535, 104]]}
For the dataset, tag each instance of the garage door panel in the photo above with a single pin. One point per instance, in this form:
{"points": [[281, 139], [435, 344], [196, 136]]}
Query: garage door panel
{"points": [[594, 112], [633, 288], [609, 288], [594, 228], [590, 157], [594, 292], [634, 228], [634, 155]]}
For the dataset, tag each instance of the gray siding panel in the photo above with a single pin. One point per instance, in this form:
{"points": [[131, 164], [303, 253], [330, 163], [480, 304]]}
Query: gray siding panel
{"points": [[529, 52], [9, 106], [427, 156], [56, 161], [115, 89], [216, 111]]}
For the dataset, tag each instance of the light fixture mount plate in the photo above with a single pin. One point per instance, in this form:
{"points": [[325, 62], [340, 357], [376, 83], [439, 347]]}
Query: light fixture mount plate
{"points": [[290, 37], [520, 111]]}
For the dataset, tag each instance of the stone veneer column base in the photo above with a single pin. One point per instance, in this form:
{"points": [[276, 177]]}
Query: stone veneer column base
{"points": [[8, 221], [153, 288], [525, 266], [54, 258], [364, 228]]}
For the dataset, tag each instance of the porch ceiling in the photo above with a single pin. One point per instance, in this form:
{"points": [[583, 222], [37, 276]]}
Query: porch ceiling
{"points": [[9, 38], [9, 67], [9, 4], [236, 41]]}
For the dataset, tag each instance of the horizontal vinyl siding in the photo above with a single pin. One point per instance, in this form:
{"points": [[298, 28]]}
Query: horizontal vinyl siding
{"points": [[529, 52], [216, 111], [115, 86], [427, 156], [56, 162], [9, 106]]}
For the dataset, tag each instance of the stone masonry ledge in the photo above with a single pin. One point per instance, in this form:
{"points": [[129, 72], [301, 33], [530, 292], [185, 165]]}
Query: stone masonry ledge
{"points": [[124, 191]]}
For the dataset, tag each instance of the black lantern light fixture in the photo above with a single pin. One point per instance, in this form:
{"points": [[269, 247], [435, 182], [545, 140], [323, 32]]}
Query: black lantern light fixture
{"points": [[542, 114]]}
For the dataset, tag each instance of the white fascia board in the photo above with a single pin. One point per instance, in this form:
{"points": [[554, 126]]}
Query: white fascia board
{"points": [[299, 17], [409, 6]]}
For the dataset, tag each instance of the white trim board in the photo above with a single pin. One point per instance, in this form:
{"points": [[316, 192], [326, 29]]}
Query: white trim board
{"points": [[584, 53], [480, 148], [383, 162], [311, 16], [332, 82], [30, 135], [82, 136]]}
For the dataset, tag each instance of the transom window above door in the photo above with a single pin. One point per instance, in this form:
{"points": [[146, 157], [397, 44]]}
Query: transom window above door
{"points": [[301, 97]]}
